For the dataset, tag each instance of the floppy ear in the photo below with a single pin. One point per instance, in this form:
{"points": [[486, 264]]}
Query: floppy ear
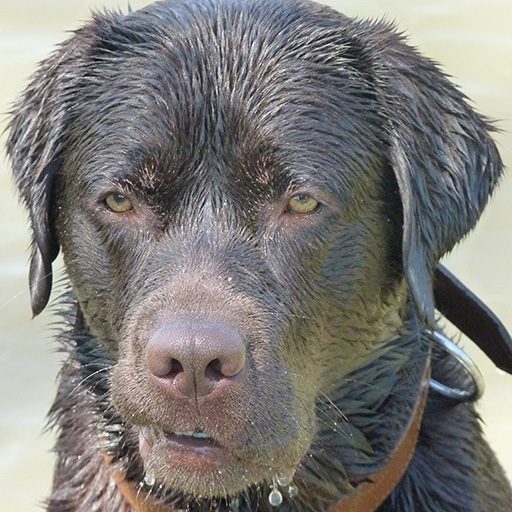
{"points": [[444, 160], [36, 144]]}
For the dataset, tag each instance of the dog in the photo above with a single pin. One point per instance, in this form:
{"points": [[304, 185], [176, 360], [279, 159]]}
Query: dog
{"points": [[251, 198]]}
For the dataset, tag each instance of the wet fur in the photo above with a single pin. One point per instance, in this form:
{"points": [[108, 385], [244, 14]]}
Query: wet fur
{"points": [[210, 113]]}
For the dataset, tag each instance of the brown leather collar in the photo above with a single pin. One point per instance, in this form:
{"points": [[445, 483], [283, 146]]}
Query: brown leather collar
{"points": [[368, 496], [139, 501]]}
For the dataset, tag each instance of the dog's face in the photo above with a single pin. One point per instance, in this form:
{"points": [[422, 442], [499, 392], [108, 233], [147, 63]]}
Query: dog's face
{"points": [[236, 205], [231, 240]]}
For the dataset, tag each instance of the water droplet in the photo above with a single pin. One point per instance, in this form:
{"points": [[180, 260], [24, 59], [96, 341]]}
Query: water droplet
{"points": [[149, 479], [284, 480], [293, 491], [275, 498]]}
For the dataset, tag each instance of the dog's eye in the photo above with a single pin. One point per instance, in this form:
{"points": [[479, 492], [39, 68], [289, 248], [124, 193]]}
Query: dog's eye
{"points": [[118, 203], [302, 203]]}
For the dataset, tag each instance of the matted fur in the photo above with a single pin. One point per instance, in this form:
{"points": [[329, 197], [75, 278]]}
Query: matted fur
{"points": [[210, 115]]}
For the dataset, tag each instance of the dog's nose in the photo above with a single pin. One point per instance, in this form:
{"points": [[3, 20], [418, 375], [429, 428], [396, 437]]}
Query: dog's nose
{"points": [[196, 358]]}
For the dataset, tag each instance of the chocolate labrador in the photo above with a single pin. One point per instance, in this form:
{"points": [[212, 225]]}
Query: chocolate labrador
{"points": [[251, 197]]}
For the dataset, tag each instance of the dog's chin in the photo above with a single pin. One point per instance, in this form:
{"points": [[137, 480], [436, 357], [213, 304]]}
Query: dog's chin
{"points": [[196, 464]]}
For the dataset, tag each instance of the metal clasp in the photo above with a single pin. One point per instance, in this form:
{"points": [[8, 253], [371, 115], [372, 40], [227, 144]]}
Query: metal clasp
{"points": [[461, 395]]}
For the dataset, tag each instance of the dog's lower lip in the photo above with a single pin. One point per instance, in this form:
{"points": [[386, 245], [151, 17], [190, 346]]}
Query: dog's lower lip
{"points": [[196, 451]]}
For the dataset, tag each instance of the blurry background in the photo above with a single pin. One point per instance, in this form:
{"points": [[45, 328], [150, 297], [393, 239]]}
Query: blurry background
{"points": [[470, 38]]}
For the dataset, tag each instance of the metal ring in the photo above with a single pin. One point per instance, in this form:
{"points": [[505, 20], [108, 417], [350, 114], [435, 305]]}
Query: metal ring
{"points": [[462, 395]]}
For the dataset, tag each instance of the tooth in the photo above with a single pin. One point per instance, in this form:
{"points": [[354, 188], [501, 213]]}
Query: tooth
{"points": [[196, 435], [201, 435]]}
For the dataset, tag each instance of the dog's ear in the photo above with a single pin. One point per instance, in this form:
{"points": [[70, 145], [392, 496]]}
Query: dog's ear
{"points": [[444, 160], [36, 143]]}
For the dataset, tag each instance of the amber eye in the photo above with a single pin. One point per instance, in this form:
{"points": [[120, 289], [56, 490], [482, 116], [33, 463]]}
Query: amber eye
{"points": [[302, 203], [118, 203]]}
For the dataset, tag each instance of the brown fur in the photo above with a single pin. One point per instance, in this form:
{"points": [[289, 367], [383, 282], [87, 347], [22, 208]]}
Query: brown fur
{"points": [[210, 115]]}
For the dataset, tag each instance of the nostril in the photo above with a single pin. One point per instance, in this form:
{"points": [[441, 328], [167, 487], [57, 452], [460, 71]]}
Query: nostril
{"points": [[213, 370], [216, 371], [175, 368], [161, 362]]}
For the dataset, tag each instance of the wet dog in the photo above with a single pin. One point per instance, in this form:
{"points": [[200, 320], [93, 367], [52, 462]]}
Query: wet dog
{"points": [[251, 198]]}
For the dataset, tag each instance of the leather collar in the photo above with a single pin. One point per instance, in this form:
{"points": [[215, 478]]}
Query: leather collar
{"points": [[139, 501], [369, 495]]}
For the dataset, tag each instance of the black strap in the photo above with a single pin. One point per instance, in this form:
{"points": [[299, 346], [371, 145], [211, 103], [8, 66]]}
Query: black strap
{"points": [[469, 314]]}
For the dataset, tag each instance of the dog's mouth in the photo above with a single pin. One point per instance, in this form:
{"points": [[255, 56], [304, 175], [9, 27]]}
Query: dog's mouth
{"points": [[205, 463], [195, 450], [194, 439]]}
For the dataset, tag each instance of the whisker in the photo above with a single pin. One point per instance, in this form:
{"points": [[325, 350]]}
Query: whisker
{"points": [[12, 299], [89, 377], [334, 406]]}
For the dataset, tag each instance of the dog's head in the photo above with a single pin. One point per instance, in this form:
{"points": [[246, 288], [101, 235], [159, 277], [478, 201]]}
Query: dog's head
{"points": [[246, 195]]}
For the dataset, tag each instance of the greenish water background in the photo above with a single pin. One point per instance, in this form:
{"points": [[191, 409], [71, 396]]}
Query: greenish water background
{"points": [[473, 42]]}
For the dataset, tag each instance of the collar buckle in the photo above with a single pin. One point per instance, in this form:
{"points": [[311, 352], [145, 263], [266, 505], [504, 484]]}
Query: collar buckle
{"points": [[453, 393]]}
